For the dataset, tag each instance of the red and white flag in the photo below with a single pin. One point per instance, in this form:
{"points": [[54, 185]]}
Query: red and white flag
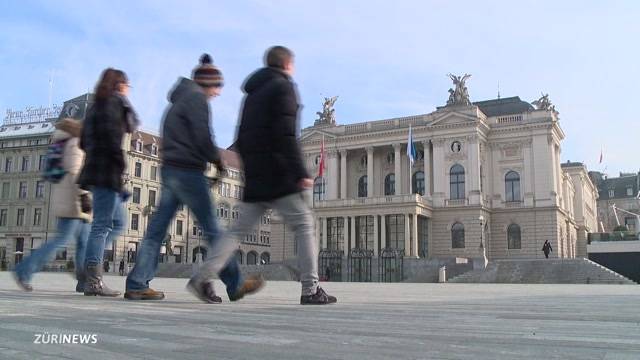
{"points": [[321, 162]]}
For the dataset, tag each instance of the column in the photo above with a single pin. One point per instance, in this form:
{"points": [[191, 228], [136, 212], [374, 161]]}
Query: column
{"points": [[375, 235], [370, 172], [407, 233], [353, 232], [427, 170], [439, 183], [526, 190], [325, 236], [383, 230], [398, 169], [345, 235], [343, 174], [332, 174], [474, 171], [414, 243]]}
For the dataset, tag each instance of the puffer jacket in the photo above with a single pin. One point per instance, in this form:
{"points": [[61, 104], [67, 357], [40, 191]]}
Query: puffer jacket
{"points": [[65, 195]]}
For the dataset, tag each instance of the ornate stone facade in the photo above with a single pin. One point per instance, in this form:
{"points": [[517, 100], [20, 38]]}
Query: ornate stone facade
{"points": [[488, 170]]}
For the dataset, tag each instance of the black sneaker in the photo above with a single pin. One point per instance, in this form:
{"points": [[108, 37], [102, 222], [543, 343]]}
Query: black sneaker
{"points": [[204, 291], [319, 298]]}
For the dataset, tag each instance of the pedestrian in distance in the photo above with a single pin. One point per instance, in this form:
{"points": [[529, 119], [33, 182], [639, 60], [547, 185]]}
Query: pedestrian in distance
{"points": [[275, 175], [121, 267], [546, 248], [187, 148], [70, 204], [107, 121]]}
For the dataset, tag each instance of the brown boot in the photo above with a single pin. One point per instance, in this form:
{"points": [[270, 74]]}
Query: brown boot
{"points": [[251, 285], [94, 286], [146, 294]]}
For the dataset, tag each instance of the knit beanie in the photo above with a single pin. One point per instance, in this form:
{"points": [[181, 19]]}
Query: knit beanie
{"points": [[207, 75]]}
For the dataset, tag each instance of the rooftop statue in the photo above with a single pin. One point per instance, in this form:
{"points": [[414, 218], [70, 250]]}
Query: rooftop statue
{"points": [[459, 95], [544, 104], [327, 115]]}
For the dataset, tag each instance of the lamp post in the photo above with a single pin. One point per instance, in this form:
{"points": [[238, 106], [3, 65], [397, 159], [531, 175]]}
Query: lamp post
{"points": [[481, 249]]}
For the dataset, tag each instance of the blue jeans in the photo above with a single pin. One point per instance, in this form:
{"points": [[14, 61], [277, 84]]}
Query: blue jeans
{"points": [[191, 188], [119, 223], [68, 229], [107, 209]]}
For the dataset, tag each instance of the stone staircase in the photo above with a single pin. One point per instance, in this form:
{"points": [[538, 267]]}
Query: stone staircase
{"points": [[543, 271]]}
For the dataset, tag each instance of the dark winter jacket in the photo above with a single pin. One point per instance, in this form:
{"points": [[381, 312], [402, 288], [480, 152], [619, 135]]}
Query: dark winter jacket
{"points": [[101, 140], [267, 139], [187, 137]]}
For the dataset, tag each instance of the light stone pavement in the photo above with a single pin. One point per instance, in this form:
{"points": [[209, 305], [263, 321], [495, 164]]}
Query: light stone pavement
{"points": [[371, 321]]}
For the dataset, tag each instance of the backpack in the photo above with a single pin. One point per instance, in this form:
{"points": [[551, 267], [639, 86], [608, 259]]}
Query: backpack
{"points": [[53, 165]]}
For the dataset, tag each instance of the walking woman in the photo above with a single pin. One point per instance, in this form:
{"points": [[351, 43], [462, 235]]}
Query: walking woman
{"points": [[71, 205], [110, 117]]}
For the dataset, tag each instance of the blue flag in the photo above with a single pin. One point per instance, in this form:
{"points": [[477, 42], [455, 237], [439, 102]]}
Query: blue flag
{"points": [[411, 149]]}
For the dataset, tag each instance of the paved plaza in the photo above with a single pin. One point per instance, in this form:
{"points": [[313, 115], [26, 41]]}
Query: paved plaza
{"points": [[370, 321]]}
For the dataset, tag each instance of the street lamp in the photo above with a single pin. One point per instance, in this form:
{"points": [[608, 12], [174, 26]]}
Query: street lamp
{"points": [[481, 248]]}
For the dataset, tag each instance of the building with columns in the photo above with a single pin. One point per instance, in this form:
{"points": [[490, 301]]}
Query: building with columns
{"points": [[486, 181]]}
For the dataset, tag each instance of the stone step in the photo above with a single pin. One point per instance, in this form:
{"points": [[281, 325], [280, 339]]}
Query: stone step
{"points": [[579, 271]]}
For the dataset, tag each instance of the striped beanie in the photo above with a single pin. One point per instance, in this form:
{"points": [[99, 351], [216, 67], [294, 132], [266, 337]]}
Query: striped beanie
{"points": [[207, 75]]}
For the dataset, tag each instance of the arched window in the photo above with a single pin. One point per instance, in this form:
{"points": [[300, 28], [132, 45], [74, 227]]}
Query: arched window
{"points": [[319, 187], [252, 258], [362, 186], [390, 185], [456, 182], [239, 256], [235, 214], [513, 237], [457, 236], [417, 183], [512, 186], [265, 258], [223, 211]]}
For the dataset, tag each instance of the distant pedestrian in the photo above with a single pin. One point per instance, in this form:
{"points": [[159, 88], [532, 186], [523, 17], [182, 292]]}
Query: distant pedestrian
{"points": [[70, 204], [106, 266], [546, 248], [274, 170], [106, 123], [187, 148], [121, 267]]}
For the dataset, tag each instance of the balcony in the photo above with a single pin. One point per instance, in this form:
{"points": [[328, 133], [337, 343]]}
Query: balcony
{"points": [[456, 202], [373, 201], [512, 204]]}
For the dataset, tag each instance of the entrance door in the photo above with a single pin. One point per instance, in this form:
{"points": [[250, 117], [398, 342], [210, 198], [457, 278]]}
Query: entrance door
{"points": [[19, 249]]}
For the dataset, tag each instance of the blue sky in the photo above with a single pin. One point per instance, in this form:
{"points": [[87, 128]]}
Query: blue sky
{"points": [[384, 59]]}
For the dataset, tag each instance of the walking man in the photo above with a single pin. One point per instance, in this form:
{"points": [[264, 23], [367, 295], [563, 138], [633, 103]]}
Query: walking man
{"points": [[275, 176], [187, 147], [546, 248]]}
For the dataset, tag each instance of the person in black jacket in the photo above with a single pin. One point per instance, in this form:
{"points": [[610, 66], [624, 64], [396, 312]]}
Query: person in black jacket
{"points": [[187, 147], [275, 175], [110, 117], [546, 248]]}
